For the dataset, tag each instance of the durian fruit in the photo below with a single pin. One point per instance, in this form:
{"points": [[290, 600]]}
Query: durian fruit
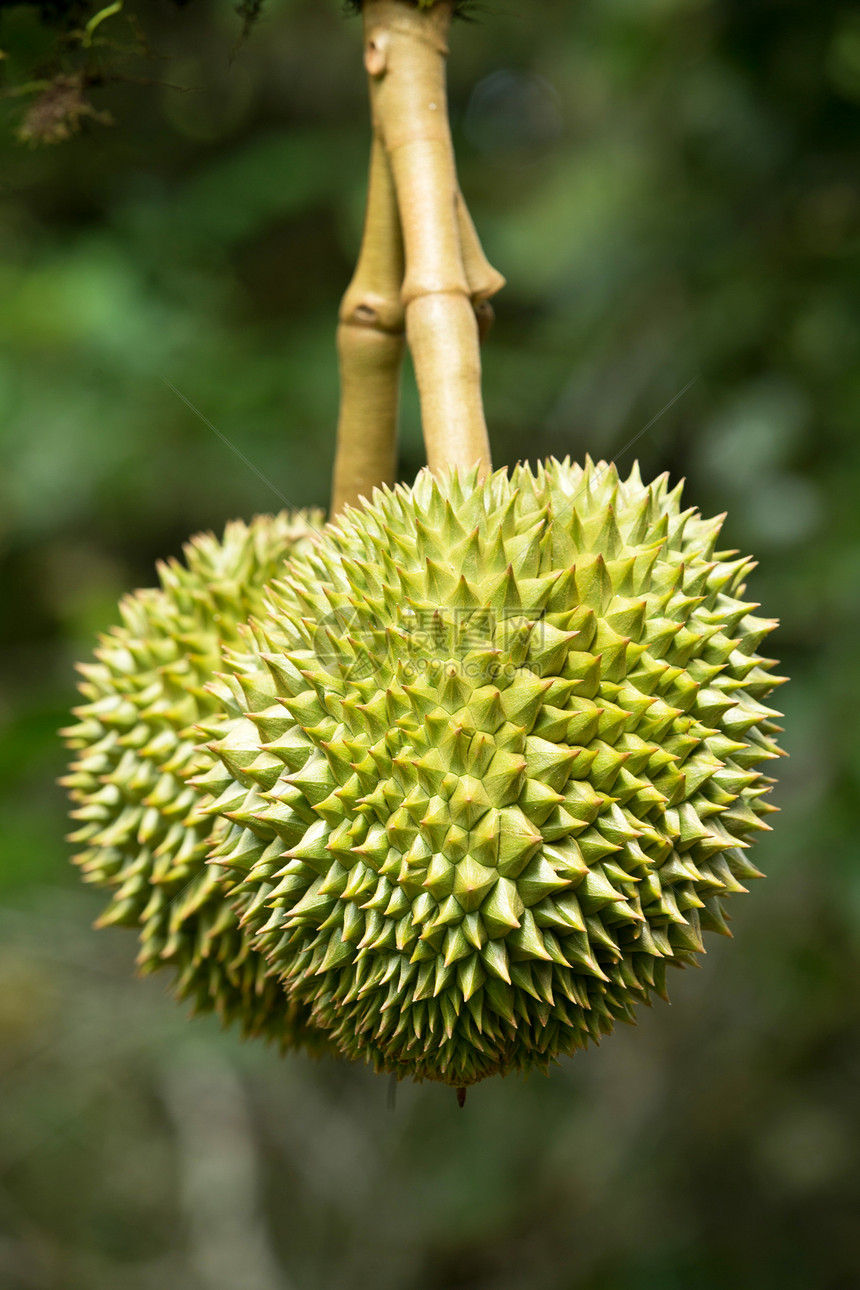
{"points": [[141, 832], [495, 756]]}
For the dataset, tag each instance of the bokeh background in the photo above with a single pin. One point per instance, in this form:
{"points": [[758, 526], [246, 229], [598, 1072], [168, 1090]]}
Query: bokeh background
{"points": [[673, 191]]}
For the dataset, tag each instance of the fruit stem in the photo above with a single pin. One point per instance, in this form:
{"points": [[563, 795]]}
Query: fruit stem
{"points": [[447, 278], [370, 343]]}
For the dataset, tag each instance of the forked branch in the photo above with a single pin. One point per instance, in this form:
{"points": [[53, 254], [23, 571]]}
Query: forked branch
{"points": [[405, 51], [421, 269]]}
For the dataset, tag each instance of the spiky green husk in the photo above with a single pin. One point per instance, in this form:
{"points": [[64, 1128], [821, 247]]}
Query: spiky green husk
{"points": [[142, 832], [497, 768]]}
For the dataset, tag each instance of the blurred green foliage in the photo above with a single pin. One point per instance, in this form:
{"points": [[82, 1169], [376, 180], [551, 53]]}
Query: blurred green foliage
{"points": [[671, 187]]}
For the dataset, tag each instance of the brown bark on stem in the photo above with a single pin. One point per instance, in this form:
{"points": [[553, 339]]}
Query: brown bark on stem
{"points": [[405, 50], [370, 342]]}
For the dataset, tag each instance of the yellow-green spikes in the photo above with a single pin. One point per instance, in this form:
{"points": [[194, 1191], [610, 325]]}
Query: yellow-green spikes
{"points": [[141, 830], [493, 765]]}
